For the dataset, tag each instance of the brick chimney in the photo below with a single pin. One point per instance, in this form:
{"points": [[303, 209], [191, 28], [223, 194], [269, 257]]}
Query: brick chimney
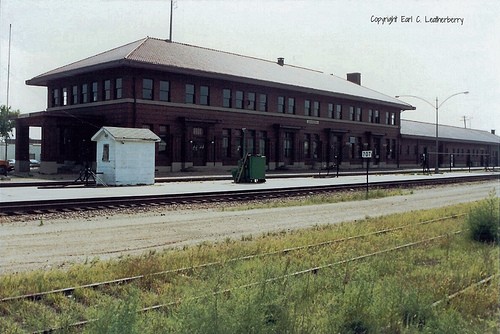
{"points": [[492, 131], [281, 61], [354, 77]]}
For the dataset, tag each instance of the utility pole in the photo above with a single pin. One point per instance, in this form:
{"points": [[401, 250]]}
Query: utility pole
{"points": [[8, 87], [171, 17], [8, 67], [465, 119]]}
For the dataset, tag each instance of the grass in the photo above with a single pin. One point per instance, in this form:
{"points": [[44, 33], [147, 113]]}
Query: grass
{"points": [[328, 198], [392, 292]]}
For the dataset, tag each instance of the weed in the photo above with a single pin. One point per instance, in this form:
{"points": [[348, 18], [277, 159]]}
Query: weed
{"points": [[118, 317], [483, 220], [387, 293]]}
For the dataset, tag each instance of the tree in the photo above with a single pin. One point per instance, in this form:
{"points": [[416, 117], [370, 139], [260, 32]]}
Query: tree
{"points": [[7, 123]]}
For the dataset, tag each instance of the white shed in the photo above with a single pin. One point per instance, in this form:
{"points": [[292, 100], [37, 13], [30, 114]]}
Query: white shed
{"points": [[125, 156]]}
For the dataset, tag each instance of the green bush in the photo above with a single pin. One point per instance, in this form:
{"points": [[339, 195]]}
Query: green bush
{"points": [[483, 220]]}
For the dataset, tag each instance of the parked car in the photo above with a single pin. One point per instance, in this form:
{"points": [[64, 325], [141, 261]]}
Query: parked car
{"points": [[34, 163], [12, 164], [4, 167]]}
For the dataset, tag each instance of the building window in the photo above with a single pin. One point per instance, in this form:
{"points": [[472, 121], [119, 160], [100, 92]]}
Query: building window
{"points": [[164, 91], [393, 118], [95, 92], [307, 107], [288, 145], [370, 115], [189, 93], [307, 145], [147, 89], [315, 146], [65, 96], [330, 110], [358, 114], [197, 131], [162, 146], [262, 102], [338, 111], [74, 92], [352, 144], [387, 118], [377, 116], [281, 104], [118, 88], [105, 152], [391, 148], [85, 93], [251, 101], [238, 102], [226, 143], [360, 147], [250, 140], [226, 98], [291, 105], [204, 96], [316, 109], [107, 90], [55, 97], [351, 113], [262, 143]]}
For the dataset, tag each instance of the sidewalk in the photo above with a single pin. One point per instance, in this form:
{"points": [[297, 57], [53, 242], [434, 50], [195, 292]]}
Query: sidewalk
{"points": [[197, 175], [180, 186]]}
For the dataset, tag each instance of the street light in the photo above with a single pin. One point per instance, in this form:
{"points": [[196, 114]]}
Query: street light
{"points": [[436, 106]]}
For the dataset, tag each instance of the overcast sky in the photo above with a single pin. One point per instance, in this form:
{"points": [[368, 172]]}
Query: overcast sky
{"points": [[420, 57]]}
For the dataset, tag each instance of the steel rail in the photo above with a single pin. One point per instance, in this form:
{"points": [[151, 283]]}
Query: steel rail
{"points": [[473, 285], [68, 291], [311, 270], [38, 207]]}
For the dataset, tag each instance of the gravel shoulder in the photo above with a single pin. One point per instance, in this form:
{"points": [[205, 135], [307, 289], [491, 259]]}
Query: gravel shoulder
{"points": [[57, 241]]}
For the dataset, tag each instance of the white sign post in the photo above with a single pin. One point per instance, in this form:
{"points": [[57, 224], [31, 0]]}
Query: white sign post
{"points": [[367, 155]]}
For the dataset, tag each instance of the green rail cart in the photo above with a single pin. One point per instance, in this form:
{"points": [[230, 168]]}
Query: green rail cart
{"points": [[251, 169]]}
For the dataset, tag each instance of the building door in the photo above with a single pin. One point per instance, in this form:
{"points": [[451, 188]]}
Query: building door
{"points": [[198, 147], [376, 149], [335, 154], [288, 148]]}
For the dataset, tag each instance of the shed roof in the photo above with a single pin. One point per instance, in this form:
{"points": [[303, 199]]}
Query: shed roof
{"points": [[428, 130], [184, 58], [126, 134]]}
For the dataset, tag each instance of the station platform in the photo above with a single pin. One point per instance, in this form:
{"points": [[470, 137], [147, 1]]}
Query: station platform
{"points": [[205, 185]]}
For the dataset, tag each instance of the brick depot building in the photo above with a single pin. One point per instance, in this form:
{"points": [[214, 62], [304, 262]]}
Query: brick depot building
{"points": [[209, 106]]}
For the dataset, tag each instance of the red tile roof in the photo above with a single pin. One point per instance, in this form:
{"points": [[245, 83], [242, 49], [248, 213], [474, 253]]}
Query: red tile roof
{"points": [[183, 58]]}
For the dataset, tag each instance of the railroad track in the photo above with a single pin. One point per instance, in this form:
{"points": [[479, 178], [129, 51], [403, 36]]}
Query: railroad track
{"points": [[71, 294], [113, 202], [126, 280]]}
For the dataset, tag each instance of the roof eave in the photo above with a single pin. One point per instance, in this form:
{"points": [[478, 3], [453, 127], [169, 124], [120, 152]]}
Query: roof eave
{"points": [[44, 79]]}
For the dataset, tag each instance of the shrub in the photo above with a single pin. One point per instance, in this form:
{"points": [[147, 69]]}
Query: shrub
{"points": [[483, 220]]}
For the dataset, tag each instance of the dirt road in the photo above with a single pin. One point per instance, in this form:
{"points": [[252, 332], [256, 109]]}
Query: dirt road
{"points": [[30, 245]]}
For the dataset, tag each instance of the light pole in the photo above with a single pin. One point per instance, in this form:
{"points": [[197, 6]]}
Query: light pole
{"points": [[436, 106]]}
